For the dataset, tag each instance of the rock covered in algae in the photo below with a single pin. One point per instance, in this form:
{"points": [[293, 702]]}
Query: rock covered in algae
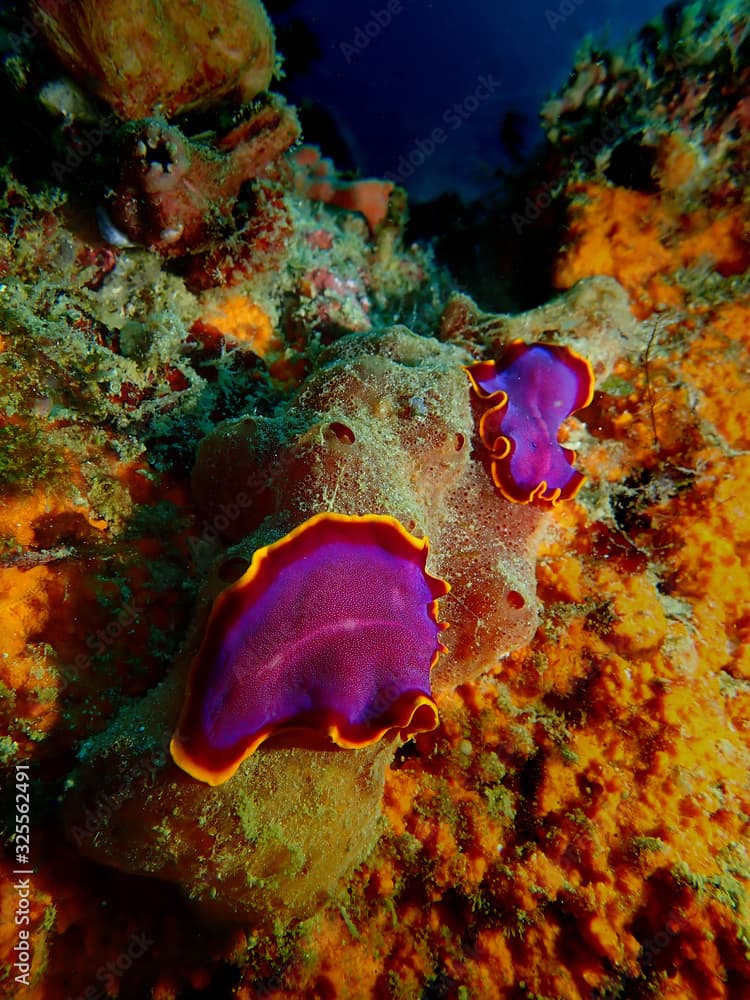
{"points": [[384, 425], [164, 57], [265, 848]]}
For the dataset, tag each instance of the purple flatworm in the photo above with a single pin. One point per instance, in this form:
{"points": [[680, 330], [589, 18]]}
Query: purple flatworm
{"points": [[531, 390], [326, 640]]}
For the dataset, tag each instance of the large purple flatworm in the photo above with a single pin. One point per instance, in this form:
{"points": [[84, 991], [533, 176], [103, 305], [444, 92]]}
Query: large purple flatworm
{"points": [[530, 391], [328, 639]]}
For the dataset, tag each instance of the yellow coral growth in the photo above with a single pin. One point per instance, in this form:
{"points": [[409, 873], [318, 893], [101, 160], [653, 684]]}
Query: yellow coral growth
{"points": [[19, 515], [23, 611], [620, 233], [243, 319], [643, 241]]}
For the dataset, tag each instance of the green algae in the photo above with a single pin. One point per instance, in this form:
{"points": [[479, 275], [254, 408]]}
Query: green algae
{"points": [[615, 385], [645, 845], [26, 460], [62, 351], [8, 748], [727, 887], [500, 803]]}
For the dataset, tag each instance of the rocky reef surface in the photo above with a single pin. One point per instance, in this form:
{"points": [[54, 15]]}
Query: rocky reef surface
{"points": [[248, 340]]}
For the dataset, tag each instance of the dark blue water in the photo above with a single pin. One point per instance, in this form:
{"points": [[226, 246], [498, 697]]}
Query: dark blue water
{"points": [[393, 77]]}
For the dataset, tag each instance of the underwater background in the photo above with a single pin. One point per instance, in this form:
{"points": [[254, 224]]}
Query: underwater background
{"points": [[374, 533], [389, 88]]}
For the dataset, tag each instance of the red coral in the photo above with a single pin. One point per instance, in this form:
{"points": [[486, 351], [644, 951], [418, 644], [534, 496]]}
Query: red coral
{"points": [[317, 179]]}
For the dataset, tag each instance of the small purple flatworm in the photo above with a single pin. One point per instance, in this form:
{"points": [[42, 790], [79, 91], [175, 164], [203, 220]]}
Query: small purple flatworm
{"points": [[326, 640], [531, 390]]}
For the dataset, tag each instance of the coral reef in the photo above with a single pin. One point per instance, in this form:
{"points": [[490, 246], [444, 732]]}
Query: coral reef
{"points": [[382, 425], [578, 822], [316, 178], [683, 79], [264, 849], [175, 193]]}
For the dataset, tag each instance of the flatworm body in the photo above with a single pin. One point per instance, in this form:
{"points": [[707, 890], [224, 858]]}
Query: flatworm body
{"points": [[326, 640], [531, 390]]}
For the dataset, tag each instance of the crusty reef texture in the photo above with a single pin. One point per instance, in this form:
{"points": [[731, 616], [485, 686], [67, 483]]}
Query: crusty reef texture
{"points": [[384, 425], [161, 58]]}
